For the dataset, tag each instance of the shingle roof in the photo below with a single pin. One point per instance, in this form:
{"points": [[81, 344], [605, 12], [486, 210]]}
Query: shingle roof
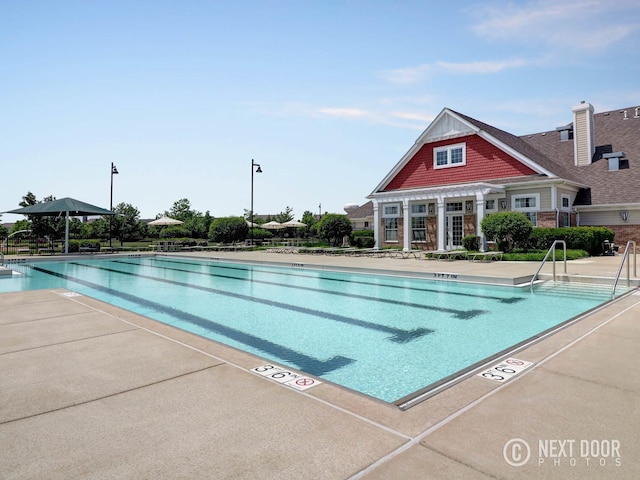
{"points": [[363, 211], [613, 133], [521, 145]]}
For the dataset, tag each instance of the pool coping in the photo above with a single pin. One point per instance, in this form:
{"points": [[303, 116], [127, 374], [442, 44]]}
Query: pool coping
{"points": [[419, 427]]}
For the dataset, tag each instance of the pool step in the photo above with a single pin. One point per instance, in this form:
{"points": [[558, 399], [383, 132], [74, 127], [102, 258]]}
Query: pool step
{"points": [[578, 289]]}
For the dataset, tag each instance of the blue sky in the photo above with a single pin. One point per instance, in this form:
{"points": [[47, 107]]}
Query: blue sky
{"points": [[326, 96]]}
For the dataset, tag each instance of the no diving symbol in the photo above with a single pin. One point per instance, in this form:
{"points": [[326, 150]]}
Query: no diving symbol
{"points": [[513, 361], [303, 383]]}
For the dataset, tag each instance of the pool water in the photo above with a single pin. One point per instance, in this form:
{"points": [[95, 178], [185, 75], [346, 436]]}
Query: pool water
{"points": [[384, 336]]}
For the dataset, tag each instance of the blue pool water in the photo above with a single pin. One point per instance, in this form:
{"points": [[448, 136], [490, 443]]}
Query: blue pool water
{"points": [[384, 336]]}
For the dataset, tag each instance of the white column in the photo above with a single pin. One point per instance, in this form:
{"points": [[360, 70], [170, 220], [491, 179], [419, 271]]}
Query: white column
{"points": [[406, 227], [480, 204], [376, 224], [441, 225]]}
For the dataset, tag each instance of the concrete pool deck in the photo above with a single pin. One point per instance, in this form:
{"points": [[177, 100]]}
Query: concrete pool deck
{"points": [[89, 390]]}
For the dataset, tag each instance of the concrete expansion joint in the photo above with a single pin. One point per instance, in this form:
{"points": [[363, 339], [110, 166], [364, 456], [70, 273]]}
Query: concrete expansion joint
{"points": [[97, 399]]}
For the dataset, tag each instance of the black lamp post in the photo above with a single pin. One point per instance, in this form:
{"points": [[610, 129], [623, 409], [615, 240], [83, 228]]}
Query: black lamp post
{"points": [[257, 170], [114, 171]]}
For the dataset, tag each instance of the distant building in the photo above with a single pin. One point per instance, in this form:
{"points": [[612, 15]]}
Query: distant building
{"points": [[361, 217], [460, 169]]}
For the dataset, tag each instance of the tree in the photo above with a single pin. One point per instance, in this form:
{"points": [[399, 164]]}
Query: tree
{"points": [[195, 224], [308, 218], [43, 226], [228, 229], [333, 227], [510, 229], [286, 216], [21, 225], [181, 210], [126, 225]]}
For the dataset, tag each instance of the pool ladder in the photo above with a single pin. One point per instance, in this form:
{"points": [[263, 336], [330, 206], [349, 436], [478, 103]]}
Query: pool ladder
{"points": [[625, 257], [552, 249]]}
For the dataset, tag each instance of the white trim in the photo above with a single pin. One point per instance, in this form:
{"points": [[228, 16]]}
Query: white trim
{"points": [[449, 149], [525, 209], [391, 205]]}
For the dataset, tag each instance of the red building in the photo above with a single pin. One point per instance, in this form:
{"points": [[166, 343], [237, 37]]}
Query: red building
{"points": [[460, 169]]}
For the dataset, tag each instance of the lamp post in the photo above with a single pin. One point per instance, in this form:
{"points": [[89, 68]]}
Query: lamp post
{"points": [[114, 171], [257, 170]]}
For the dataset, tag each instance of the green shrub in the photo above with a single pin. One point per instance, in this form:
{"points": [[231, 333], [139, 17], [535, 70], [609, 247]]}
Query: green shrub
{"points": [[74, 245], [363, 239], [538, 255], [174, 232], [509, 229], [228, 229], [261, 234], [471, 243], [580, 238]]}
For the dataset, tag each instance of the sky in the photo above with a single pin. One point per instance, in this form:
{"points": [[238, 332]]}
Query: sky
{"points": [[326, 96]]}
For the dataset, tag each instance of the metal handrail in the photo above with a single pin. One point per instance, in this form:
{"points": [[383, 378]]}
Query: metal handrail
{"points": [[635, 267], [551, 249]]}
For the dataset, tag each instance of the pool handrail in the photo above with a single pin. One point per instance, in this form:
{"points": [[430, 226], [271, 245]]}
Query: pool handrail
{"points": [[551, 249], [625, 256]]}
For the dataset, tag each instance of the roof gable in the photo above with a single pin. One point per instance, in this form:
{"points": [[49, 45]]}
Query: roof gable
{"points": [[450, 126], [484, 162], [446, 126]]}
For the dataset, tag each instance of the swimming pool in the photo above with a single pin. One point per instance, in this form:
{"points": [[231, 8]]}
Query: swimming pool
{"points": [[384, 336]]}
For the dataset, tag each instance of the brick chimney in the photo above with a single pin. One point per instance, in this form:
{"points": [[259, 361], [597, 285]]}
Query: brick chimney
{"points": [[584, 144]]}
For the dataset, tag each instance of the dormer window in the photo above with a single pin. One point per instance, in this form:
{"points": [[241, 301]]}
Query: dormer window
{"points": [[617, 160], [450, 156], [566, 132]]}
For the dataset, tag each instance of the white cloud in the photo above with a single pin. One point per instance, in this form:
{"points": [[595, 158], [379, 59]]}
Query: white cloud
{"points": [[419, 73], [420, 117], [479, 67], [344, 112], [578, 25]]}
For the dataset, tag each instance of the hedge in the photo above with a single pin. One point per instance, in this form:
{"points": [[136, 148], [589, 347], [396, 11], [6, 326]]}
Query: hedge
{"points": [[577, 238]]}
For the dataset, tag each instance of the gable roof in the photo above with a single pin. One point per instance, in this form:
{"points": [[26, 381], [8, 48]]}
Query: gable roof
{"points": [[450, 124], [615, 131]]}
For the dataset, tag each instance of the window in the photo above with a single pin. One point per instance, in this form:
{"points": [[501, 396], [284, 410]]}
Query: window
{"points": [[391, 229], [490, 205], [527, 204], [564, 218], [419, 222], [419, 229], [454, 207], [392, 210], [449, 156]]}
